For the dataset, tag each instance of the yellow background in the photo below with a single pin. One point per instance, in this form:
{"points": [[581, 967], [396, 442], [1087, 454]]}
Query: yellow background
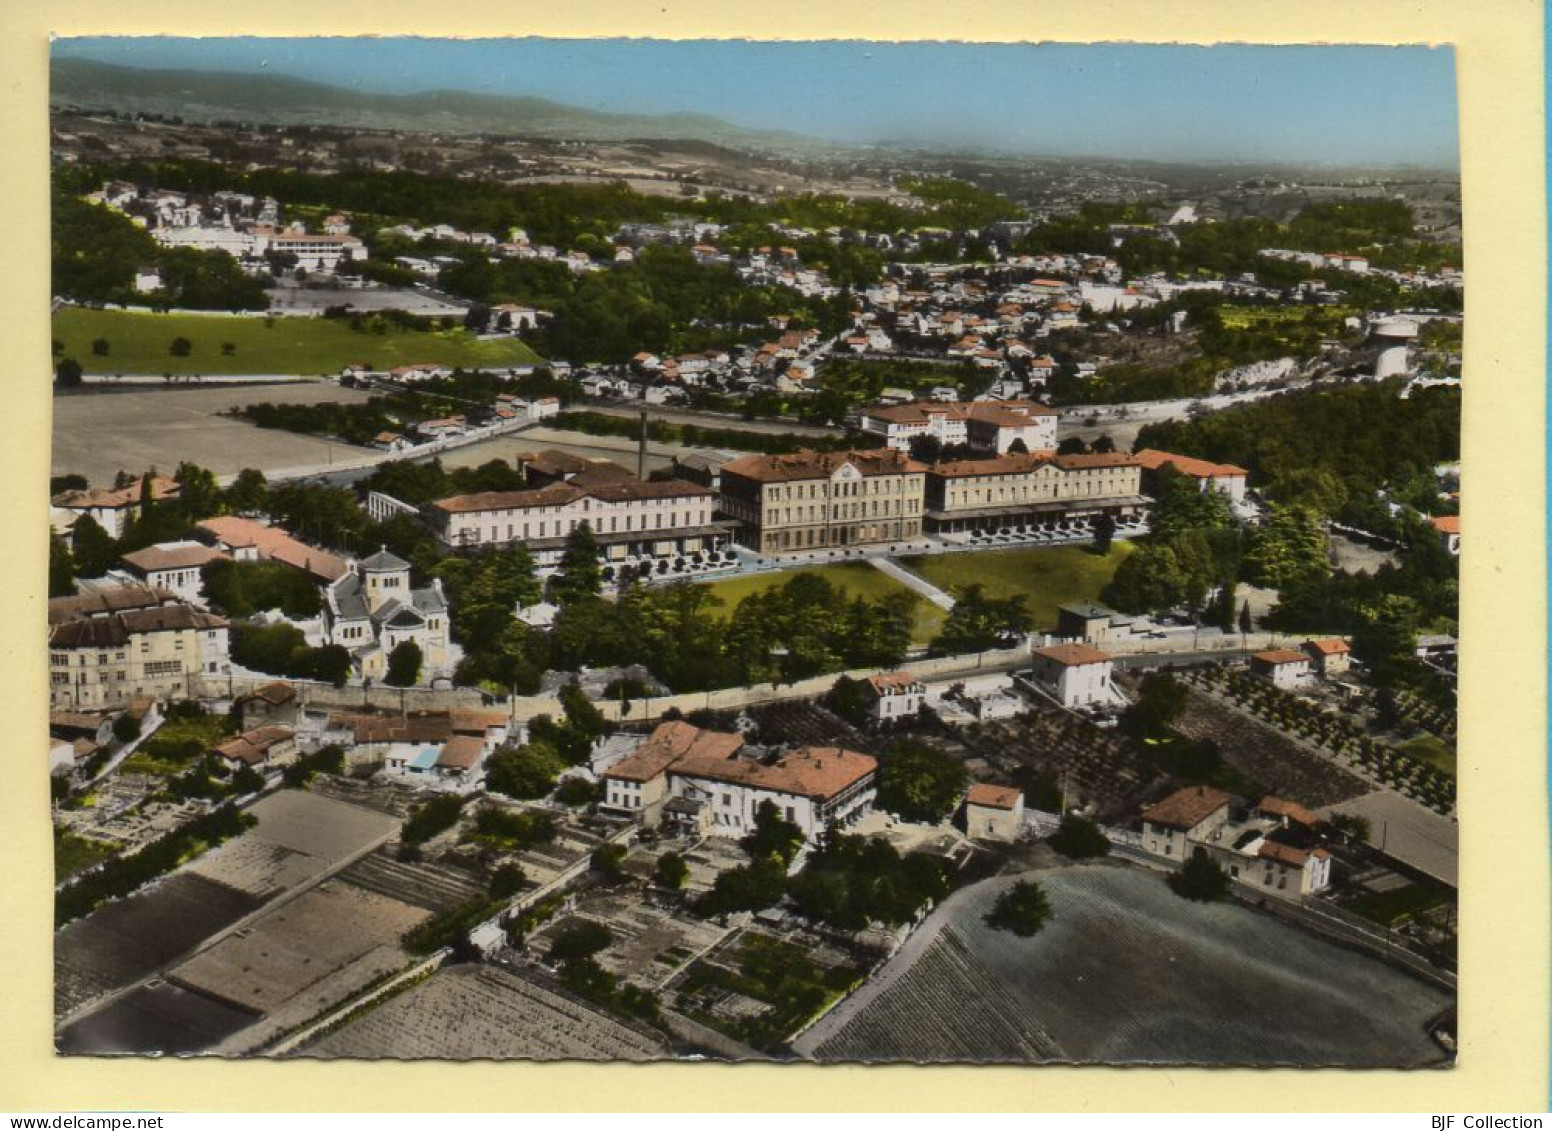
{"points": [[1504, 891]]}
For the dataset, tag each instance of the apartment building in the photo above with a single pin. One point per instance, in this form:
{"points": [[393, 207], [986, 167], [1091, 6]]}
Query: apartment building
{"points": [[629, 517], [1022, 490], [109, 648]]}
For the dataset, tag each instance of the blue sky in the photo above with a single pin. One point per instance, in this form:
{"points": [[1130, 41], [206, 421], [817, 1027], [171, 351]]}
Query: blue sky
{"points": [[1335, 105]]}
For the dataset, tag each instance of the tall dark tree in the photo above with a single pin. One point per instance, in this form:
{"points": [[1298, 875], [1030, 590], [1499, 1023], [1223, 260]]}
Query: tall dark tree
{"points": [[404, 665], [94, 551], [67, 374], [248, 494], [579, 576], [61, 567], [1104, 533]]}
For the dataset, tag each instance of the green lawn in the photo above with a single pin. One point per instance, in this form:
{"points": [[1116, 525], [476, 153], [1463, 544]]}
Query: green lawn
{"points": [[1431, 751], [176, 744], [73, 853], [858, 578], [141, 343], [1048, 577]]}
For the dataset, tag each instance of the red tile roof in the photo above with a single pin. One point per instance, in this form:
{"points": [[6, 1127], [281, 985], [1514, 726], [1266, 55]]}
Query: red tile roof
{"points": [[1186, 808], [1074, 655], [821, 465], [994, 796], [1187, 465]]}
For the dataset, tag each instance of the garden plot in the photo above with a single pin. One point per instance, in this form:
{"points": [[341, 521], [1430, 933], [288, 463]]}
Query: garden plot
{"points": [[161, 1019], [649, 943], [469, 1012], [434, 887], [759, 989], [1125, 972], [290, 949]]}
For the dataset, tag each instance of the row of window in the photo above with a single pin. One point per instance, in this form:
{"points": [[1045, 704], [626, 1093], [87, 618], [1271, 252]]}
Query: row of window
{"points": [[878, 485], [881, 508]]}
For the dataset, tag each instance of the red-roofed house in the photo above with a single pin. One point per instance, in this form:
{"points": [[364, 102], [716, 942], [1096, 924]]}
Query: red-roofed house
{"points": [[1448, 526], [1330, 657], [703, 781], [1284, 667], [994, 812], [893, 695], [1272, 847], [1074, 674]]}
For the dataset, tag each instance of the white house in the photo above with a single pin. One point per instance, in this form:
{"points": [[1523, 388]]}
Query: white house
{"points": [[893, 695], [1076, 675], [1283, 667], [707, 782], [174, 566]]}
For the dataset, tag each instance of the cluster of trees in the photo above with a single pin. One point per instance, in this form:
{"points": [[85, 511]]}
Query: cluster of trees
{"points": [[530, 771], [847, 882], [1322, 448], [281, 649], [918, 783], [979, 622], [1023, 909], [1194, 548], [96, 252], [431, 817], [808, 626], [507, 830], [241, 589]]}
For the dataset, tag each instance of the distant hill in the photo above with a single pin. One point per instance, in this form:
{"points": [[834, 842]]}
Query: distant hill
{"points": [[206, 96]]}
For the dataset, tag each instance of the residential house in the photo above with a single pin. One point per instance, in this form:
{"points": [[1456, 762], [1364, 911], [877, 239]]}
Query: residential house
{"points": [[102, 656], [263, 748], [274, 704], [112, 508], [703, 781], [1329, 657], [1075, 675], [893, 695], [248, 540], [174, 566], [1448, 528], [1283, 667], [994, 812], [1272, 847]]}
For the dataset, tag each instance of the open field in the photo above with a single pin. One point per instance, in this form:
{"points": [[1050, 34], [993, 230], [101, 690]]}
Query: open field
{"points": [[142, 343], [1125, 972], [99, 434], [123, 941], [309, 939], [859, 578], [164, 1019], [299, 835], [468, 1012], [1047, 577]]}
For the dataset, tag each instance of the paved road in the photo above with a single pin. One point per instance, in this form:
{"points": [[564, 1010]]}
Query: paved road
{"points": [[915, 581]]}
